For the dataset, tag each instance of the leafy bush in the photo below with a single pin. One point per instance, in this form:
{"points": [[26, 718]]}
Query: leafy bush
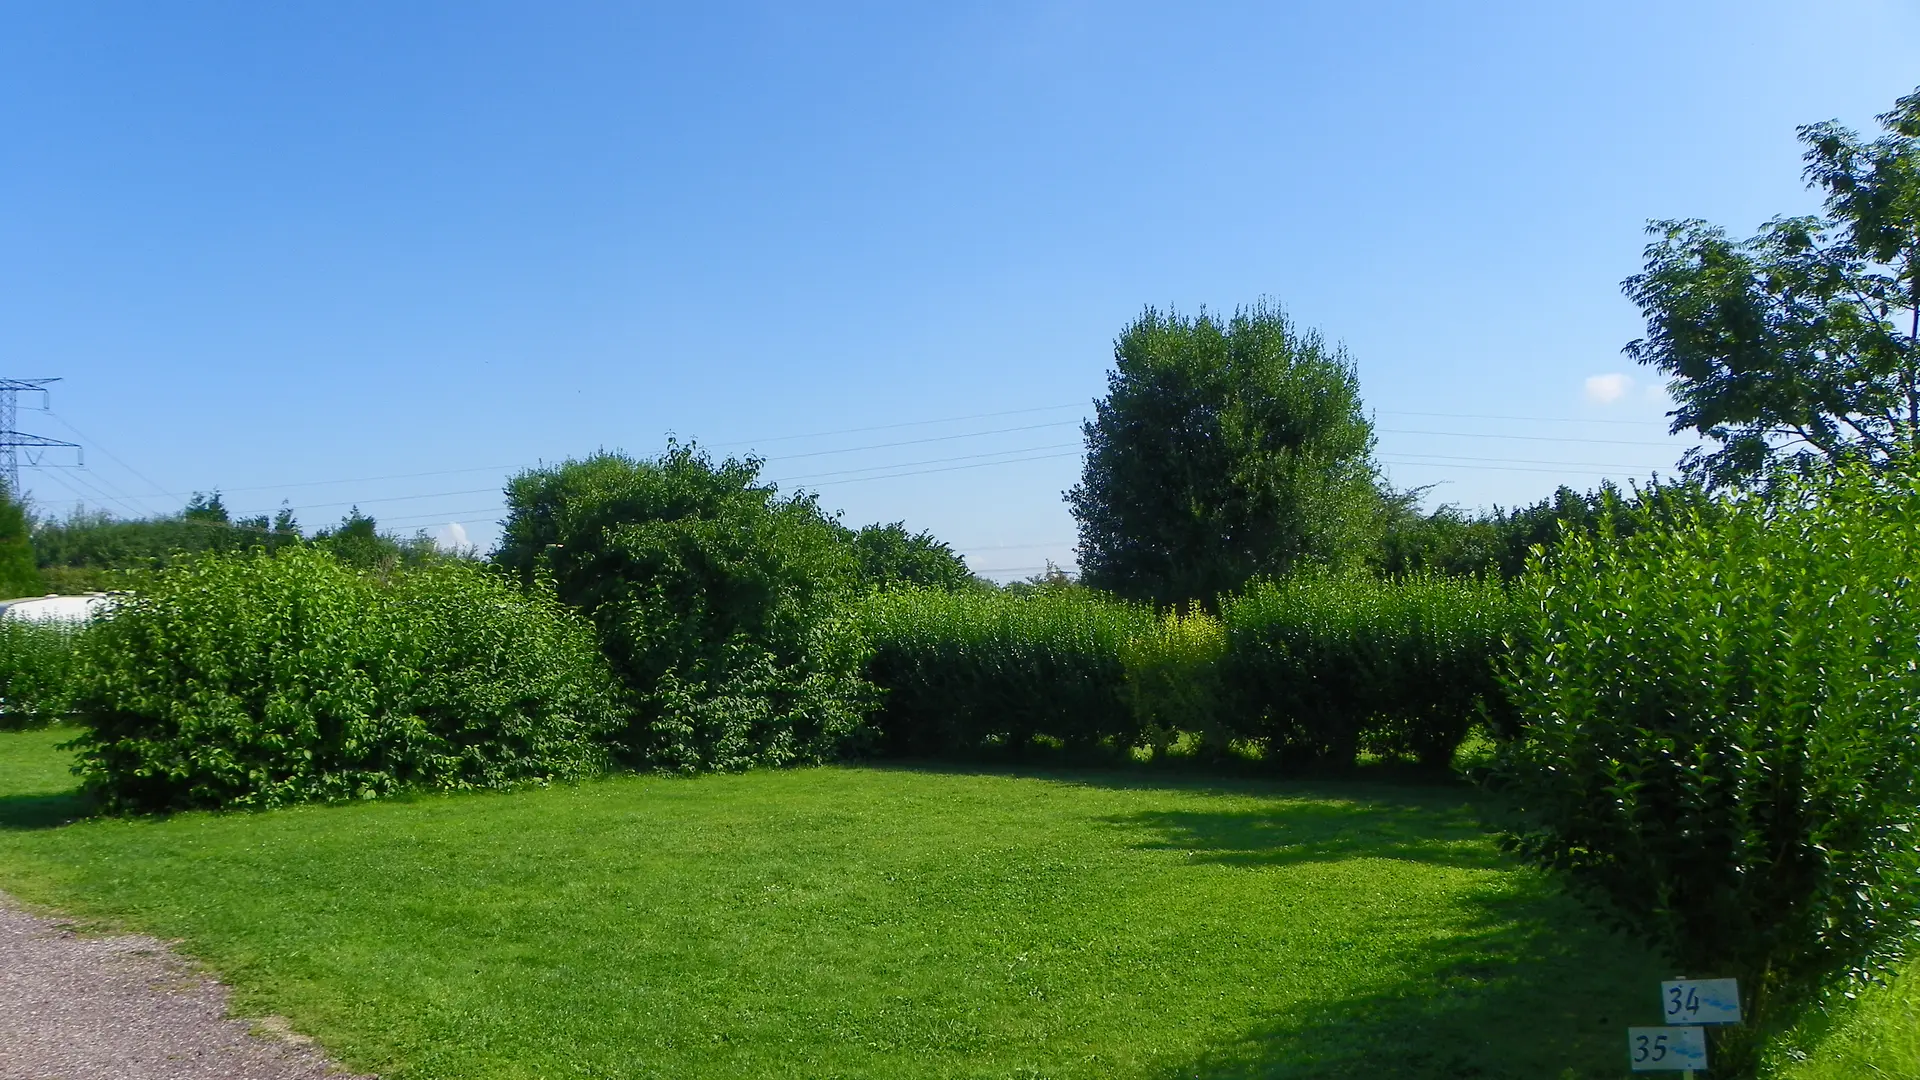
{"points": [[888, 556], [1722, 733], [19, 575], [35, 665], [1173, 679], [257, 679], [1322, 666], [966, 671], [718, 602]]}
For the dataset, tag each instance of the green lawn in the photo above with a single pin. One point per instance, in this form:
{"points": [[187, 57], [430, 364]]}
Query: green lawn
{"points": [[865, 922]]}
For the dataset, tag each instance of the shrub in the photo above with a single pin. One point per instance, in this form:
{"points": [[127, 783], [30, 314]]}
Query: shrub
{"points": [[718, 602], [1721, 738], [1322, 666], [1173, 679], [18, 574], [888, 556], [257, 679], [967, 671], [35, 664]]}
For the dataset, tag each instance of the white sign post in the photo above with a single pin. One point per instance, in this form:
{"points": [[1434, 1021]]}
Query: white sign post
{"points": [[1667, 1049], [1689, 1005]]}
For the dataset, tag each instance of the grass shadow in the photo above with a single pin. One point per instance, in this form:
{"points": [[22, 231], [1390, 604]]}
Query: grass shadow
{"points": [[1527, 992], [1333, 826], [1223, 777], [20, 813]]}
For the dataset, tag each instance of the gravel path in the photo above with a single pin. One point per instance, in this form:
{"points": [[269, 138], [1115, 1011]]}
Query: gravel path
{"points": [[126, 1008]]}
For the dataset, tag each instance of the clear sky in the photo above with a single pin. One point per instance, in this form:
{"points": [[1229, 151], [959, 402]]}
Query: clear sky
{"points": [[327, 253]]}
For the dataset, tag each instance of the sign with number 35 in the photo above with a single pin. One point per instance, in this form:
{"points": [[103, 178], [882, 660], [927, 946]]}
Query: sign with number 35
{"points": [[1667, 1049]]}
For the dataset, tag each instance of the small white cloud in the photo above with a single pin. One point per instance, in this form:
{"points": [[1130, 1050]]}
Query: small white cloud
{"points": [[1607, 389], [453, 536]]}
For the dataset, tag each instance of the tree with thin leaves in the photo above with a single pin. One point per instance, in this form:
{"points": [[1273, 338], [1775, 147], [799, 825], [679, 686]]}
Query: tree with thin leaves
{"points": [[1800, 344]]}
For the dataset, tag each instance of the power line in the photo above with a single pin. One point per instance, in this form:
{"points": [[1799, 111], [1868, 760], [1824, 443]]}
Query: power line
{"points": [[79, 476], [1527, 461], [1016, 569], [925, 472], [357, 480], [746, 442], [111, 456], [928, 461], [934, 439], [1526, 419], [1524, 438], [1504, 468], [781, 480], [910, 423]]}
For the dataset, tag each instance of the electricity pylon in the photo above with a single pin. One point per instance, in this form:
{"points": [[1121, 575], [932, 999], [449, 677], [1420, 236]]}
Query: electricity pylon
{"points": [[13, 441]]}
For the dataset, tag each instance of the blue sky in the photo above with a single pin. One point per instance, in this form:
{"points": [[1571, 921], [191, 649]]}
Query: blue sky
{"points": [[388, 253]]}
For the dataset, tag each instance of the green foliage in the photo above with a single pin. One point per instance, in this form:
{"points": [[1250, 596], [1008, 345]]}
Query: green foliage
{"points": [[1803, 341], [1876, 1034], [718, 602], [207, 509], [889, 556], [1319, 667], [1174, 680], [87, 550], [1314, 668], [19, 576], [1722, 732], [36, 661], [257, 679], [1223, 450], [967, 671], [358, 542], [1452, 543]]}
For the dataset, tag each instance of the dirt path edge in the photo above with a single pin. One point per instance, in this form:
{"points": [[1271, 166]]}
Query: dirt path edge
{"points": [[128, 1007]]}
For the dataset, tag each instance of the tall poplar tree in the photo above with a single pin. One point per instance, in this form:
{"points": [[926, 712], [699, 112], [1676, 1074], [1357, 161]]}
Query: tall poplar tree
{"points": [[1224, 450]]}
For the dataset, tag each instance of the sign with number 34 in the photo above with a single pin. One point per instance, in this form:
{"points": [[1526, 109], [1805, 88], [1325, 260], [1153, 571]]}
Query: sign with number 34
{"points": [[1701, 1001], [1667, 1049]]}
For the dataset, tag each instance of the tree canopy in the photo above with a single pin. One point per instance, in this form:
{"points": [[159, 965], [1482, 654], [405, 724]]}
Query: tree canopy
{"points": [[889, 555], [1801, 343], [1224, 449], [19, 576], [716, 598]]}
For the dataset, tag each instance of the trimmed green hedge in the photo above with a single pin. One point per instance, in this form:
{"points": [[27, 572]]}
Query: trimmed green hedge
{"points": [[256, 679], [36, 660], [1320, 667], [1310, 670], [966, 671]]}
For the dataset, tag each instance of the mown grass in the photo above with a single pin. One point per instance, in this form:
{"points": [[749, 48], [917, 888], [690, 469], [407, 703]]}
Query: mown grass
{"points": [[1876, 1037], [864, 922]]}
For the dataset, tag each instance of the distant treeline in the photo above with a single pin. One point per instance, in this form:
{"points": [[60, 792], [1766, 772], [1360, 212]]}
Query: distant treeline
{"points": [[86, 550], [1454, 543]]}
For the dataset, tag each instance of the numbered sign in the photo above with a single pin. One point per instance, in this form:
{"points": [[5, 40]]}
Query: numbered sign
{"points": [[1667, 1049], [1701, 1001]]}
